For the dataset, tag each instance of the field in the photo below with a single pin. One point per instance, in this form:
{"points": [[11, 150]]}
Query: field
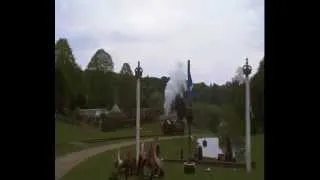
{"points": [[100, 166], [68, 137]]}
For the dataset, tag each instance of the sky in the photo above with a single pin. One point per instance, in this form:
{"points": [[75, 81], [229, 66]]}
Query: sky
{"points": [[216, 35]]}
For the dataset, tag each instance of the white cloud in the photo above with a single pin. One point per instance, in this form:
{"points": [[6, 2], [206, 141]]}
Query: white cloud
{"points": [[215, 35]]}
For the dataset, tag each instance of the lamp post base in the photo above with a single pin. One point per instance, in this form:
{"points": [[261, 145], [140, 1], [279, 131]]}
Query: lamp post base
{"points": [[189, 167]]}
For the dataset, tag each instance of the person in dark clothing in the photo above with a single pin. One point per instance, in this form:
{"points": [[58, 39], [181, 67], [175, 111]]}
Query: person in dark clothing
{"points": [[228, 156], [204, 143], [158, 150], [157, 146], [200, 153]]}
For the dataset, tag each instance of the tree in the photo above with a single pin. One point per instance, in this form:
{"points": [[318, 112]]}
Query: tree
{"points": [[99, 88], [232, 125], [126, 69], [206, 115], [63, 53], [149, 86], [80, 100], [257, 97], [61, 90], [101, 61], [156, 100], [126, 86], [69, 73]]}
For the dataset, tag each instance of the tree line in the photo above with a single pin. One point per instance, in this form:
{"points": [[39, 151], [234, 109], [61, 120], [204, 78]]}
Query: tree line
{"points": [[94, 87]]}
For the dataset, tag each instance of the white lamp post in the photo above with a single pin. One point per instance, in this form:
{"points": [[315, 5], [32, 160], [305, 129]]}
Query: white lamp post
{"points": [[138, 74], [246, 71]]}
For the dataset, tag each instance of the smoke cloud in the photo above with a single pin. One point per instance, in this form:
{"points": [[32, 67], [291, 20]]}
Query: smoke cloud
{"points": [[175, 86]]}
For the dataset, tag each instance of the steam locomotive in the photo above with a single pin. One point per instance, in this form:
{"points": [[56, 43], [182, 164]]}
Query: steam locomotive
{"points": [[171, 125], [175, 122]]}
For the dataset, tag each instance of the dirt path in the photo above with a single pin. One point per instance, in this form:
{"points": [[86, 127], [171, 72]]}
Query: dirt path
{"points": [[65, 163]]}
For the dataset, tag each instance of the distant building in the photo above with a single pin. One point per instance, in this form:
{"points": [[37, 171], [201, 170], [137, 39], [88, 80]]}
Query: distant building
{"points": [[92, 113], [115, 108]]}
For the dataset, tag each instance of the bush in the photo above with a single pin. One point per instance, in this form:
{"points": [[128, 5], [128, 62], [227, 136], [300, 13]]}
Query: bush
{"points": [[206, 116], [114, 120], [150, 114], [173, 128], [234, 125]]}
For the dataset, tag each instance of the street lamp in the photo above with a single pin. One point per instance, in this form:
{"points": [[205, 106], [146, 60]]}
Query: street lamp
{"points": [[189, 115], [138, 74], [246, 71]]}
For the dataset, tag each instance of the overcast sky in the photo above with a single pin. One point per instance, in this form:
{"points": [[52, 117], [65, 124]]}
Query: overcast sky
{"points": [[216, 35]]}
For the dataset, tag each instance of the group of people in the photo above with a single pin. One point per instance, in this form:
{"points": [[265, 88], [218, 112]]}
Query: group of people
{"points": [[150, 160]]}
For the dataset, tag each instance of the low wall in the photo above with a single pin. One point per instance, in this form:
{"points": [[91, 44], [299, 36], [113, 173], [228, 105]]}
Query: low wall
{"points": [[215, 163], [122, 138]]}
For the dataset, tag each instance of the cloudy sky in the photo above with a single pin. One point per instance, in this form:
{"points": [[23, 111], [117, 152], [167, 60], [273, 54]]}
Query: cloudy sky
{"points": [[216, 35]]}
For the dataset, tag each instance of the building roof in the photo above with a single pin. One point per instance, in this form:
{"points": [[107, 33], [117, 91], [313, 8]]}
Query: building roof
{"points": [[115, 108]]}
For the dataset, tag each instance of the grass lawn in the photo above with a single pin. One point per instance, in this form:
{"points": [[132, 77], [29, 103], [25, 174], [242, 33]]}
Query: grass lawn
{"points": [[100, 166], [66, 133], [63, 149], [67, 136]]}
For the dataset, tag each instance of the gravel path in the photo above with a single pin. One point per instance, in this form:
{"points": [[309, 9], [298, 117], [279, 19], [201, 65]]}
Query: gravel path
{"points": [[65, 163]]}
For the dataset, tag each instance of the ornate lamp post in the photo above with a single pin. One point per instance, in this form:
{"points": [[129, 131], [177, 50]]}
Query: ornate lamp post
{"points": [[189, 165], [138, 74], [189, 116], [246, 71]]}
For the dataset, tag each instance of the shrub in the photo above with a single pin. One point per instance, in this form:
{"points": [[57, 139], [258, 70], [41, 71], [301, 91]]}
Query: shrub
{"points": [[114, 120]]}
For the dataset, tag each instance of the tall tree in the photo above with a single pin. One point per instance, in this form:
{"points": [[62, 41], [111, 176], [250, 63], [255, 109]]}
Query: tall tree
{"points": [[231, 124], [63, 53], [257, 96], [61, 90], [99, 88], [126, 69], [101, 61], [68, 71]]}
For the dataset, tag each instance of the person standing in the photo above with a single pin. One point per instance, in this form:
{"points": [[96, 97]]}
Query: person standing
{"points": [[157, 147]]}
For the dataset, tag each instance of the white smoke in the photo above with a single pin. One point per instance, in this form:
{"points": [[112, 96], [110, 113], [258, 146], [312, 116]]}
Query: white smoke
{"points": [[176, 85]]}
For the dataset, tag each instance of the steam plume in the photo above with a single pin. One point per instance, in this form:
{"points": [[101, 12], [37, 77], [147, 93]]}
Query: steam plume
{"points": [[175, 86]]}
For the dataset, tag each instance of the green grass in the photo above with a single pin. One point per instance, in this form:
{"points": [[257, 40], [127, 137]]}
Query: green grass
{"points": [[66, 135], [100, 166], [63, 149]]}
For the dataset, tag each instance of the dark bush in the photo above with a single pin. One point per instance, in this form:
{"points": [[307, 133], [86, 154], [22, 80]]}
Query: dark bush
{"points": [[173, 128], [114, 120], [150, 115]]}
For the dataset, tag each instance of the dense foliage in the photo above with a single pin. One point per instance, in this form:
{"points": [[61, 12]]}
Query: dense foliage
{"points": [[99, 87]]}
